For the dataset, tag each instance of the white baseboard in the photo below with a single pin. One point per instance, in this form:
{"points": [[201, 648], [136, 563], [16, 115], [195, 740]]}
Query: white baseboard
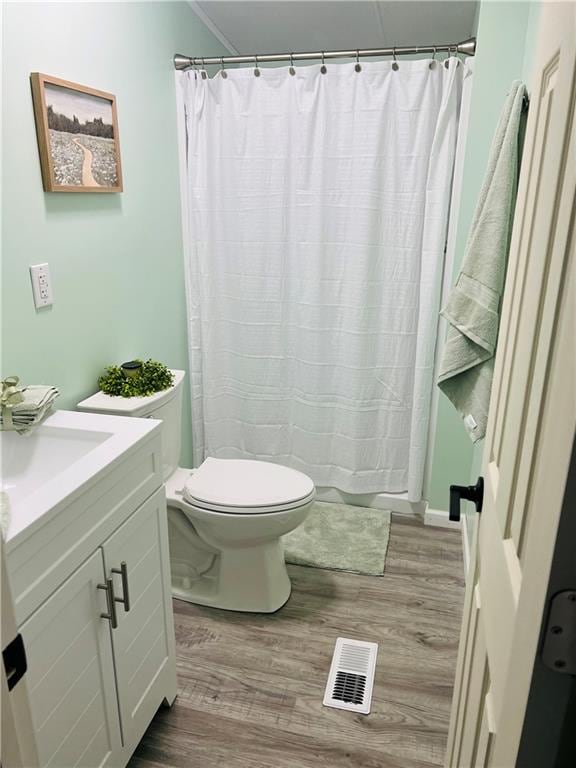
{"points": [[439, 518], [394, 502]]}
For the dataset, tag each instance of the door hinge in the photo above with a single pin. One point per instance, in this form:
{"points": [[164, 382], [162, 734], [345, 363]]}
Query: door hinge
{"points": [[559, 646], [15, 664]]}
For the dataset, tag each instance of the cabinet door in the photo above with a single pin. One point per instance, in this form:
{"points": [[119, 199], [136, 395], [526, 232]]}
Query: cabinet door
{"points": [[71, 674], [143, 641]]}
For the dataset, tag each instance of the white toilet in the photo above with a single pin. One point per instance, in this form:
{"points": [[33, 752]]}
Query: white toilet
{"points": [[225, 519]]}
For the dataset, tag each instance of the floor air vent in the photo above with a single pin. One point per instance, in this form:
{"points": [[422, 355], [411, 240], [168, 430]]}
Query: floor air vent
{"points": [[351, 676]]}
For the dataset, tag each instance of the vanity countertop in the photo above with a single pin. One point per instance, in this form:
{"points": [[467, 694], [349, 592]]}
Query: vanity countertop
{"points": [[60, 460]]}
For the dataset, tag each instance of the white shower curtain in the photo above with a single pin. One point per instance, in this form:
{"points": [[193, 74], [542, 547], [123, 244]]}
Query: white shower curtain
{"points": [[317, 213]]}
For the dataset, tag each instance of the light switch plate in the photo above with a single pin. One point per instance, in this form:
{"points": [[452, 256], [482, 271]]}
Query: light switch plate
{"points": [[41, 285]]}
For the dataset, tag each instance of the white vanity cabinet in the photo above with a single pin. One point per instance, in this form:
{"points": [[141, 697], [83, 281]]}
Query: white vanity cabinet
{"points": [[96, 673], [143, 641], [71, 674], [93, 604]]}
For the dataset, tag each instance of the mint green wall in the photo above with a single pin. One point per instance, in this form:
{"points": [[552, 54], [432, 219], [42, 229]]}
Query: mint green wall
{"points": [[116, 259], [506, 38], [531, 42]]}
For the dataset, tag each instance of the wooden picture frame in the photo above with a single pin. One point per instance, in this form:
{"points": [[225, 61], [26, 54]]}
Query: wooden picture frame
{"points": [[77, 130]]}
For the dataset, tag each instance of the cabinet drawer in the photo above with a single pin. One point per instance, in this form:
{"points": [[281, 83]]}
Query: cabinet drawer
{"points": [[71, 674], [40, 563]]}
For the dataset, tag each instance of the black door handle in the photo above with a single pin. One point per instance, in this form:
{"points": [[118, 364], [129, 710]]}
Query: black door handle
{"points": [[473, 493], [15, 663]]}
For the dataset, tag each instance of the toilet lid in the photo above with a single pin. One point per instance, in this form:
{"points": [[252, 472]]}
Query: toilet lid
{"points": [[238, 485]]}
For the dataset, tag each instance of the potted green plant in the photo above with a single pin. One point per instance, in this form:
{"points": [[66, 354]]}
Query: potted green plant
{"points": [[136, 379]]}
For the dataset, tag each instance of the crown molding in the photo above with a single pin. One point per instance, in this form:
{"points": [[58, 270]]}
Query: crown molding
{"points": [[207, 21]]}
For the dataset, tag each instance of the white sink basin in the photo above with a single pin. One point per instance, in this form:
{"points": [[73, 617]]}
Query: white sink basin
{"points": [[30, 462], [46, 468]]}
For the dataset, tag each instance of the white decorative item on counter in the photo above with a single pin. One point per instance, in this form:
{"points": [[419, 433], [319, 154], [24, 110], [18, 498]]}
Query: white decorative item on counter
{"points": [[22, 408]]}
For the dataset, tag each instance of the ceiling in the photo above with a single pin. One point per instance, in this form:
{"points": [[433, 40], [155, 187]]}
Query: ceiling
{"points": [[277, 26]]}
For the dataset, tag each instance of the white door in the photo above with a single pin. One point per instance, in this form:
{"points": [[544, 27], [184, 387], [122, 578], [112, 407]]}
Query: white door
{"points": [[143, 641], [531, 424], [71, 674]]}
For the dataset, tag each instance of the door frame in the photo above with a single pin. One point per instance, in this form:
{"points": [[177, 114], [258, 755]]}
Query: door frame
{"points": [[548, 731]]}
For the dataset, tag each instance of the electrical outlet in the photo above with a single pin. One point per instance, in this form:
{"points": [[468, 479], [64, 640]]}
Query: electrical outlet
{"points": [[41, 285]]}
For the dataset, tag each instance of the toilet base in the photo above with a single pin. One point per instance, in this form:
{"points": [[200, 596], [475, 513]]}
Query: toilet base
{"points": [[247, 578], [179, 594], [220, 598], [254, 580]]}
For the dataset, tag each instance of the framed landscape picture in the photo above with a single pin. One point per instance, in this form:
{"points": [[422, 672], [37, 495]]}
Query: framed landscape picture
{"points": [[77, 132]]}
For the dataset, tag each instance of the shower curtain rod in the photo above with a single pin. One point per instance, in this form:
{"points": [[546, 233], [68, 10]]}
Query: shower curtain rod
{"points": [[466, 47]]}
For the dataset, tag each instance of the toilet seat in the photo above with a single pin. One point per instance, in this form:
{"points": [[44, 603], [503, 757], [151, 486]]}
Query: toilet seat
{"points": [[241, 486]]}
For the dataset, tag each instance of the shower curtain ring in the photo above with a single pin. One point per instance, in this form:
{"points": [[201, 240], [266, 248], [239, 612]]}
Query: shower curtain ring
{"points": [[323, 67], [204, 73], [357, 67], [292, 70], [395, 65], [223, 72], [433, 61], [256, 70]]}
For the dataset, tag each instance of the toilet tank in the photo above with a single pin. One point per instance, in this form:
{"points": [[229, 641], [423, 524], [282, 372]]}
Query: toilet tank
{"points": [[165, 405]]}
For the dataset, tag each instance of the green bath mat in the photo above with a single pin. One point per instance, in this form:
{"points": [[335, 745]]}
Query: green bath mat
{"points": [[341, 537]]}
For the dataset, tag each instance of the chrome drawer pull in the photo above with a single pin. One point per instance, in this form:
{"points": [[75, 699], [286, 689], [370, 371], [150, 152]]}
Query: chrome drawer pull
{"points": [[111, 615], [125, 599]]}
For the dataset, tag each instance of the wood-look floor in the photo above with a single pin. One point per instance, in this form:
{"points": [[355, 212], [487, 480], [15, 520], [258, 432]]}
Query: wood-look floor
{"points": [[251, 686]]}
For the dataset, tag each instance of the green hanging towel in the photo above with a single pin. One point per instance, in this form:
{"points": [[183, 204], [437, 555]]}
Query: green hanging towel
{"points": [[473, 308]]}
